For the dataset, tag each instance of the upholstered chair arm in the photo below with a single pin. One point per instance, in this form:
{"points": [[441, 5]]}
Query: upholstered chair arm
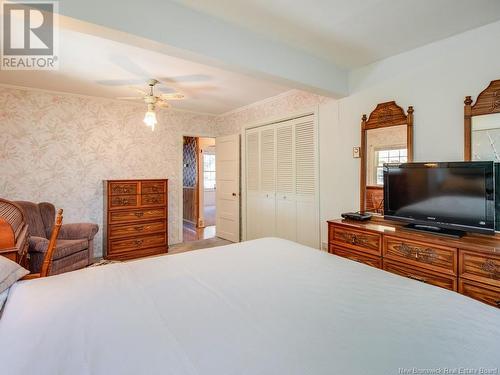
{"points": [[76, 231]]}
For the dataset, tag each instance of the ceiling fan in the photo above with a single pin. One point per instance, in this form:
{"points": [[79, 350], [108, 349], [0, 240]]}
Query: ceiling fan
{"points": [[152, 101]]}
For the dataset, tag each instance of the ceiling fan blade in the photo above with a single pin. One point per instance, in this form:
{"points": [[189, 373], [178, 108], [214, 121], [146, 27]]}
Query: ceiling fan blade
{"points": [[129, 98], [120, 82], [162, 104], [173, 96], [127, 64], [140, 91], [186, 78]]}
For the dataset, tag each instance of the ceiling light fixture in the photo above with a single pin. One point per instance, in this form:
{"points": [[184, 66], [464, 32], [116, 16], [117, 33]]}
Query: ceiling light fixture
{"points": [[154, 101], [150, 117]]}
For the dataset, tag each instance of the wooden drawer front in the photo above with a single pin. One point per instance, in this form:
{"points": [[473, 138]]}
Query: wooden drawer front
{"points": [[362, 241], [441, 280], [480, 267], [482, 292], [437, 258], [120, 188], [136, 215], [118, 201], [132, 244], [356, 256], [152, 199], [136, 229], [153, 187]]}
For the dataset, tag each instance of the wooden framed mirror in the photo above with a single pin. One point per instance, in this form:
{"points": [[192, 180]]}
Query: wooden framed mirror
{"points": [[482, 125], [386, 137]]}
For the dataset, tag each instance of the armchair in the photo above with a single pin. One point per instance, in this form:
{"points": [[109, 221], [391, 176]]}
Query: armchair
{"points": [[75, 243]]}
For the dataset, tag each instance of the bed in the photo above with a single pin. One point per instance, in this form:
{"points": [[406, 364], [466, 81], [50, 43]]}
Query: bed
{"points": [[267, 306]]}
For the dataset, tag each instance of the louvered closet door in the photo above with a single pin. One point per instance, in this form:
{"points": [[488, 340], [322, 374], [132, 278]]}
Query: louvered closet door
{"points": [[252, 151], [286, 210], [267, 202], [306, 190]]}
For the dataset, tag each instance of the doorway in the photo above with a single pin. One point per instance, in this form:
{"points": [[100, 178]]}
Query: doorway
{"points": [[199, 203]]}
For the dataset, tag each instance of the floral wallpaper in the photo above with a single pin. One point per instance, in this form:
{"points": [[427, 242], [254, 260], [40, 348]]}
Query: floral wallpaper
{"points": [[59, 148], [285, 104]]}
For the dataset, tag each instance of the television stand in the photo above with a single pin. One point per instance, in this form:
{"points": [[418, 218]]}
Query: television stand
{"points": [[454, 233]]}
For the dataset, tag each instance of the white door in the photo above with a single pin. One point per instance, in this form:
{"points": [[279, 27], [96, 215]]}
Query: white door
{"points": [[267, 200], [252, 147], [227, 172], [306, 189], [286, 208]]}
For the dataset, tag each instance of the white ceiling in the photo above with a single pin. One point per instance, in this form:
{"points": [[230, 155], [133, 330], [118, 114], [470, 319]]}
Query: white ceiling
{"points": [[353, 33], [94, 66]]}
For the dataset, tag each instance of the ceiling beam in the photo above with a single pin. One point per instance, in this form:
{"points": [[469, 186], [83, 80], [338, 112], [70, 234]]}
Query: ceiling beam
{"points": [[189, 34]]}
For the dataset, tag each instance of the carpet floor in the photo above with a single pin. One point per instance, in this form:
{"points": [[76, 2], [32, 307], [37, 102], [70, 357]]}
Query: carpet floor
{"points": [[197, 245], [178, 248]]}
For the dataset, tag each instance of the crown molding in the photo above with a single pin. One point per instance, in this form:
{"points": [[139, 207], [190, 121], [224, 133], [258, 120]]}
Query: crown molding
{"points": [[55, 92]]}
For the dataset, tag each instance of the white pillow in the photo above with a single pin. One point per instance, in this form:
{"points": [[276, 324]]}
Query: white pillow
{"points": [[10, 272]]}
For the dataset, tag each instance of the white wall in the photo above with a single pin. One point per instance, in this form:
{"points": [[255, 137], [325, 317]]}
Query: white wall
{"points": [[434, 79]]}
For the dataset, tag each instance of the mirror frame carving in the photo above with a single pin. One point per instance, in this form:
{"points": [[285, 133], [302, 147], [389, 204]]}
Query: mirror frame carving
{"points": [[383, 116], [487, 102]]}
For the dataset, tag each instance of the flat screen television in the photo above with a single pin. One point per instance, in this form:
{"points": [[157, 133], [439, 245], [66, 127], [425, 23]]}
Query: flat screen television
{"points": [[446, 198]]}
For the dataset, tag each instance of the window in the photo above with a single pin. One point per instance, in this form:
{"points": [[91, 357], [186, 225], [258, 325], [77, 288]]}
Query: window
{"points": [[399, 155], [209, 171]]}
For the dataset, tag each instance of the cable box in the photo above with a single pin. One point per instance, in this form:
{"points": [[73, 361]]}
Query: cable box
{"points": [[358, 216]]}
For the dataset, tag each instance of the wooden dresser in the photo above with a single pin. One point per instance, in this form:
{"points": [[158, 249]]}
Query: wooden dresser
{"points": [[469, 265], [135, 218]]}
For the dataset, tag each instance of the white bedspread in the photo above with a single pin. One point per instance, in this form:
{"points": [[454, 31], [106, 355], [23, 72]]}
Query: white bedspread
{"points": [[261, 307]]}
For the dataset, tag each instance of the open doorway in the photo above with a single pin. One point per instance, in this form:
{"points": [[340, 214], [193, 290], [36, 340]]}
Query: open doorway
{"points": [[199, 207]]}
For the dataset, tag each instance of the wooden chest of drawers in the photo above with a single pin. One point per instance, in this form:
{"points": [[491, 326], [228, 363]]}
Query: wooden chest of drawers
{"points": [[469, 265], [135, 218]]}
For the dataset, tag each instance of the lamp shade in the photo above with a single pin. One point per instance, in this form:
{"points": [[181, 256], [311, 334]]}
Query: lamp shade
{"points": [[150, 119]]}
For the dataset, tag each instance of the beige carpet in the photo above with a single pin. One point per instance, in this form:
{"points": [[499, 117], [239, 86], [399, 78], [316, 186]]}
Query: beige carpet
{"points": [[196, 245], [176, 249]]}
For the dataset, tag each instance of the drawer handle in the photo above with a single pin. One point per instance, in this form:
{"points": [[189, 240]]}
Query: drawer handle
{"points": [[121, 190], [139, 214], [418, 278], [139, 228], [138, 243], [122, 201], [490, 267], [427, 255], [354, 239]]}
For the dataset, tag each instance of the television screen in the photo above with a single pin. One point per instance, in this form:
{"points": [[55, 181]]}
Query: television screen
{"points": [[458, 195]]}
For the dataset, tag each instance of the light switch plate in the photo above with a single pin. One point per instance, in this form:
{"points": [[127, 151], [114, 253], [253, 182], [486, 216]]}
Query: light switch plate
{"points": [[356, 152]]}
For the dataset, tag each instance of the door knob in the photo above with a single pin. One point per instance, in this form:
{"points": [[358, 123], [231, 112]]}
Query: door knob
{"points": [[234, 194]]}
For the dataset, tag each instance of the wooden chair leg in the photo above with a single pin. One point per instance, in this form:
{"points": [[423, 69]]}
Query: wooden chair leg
{"points": [[47, 260]]}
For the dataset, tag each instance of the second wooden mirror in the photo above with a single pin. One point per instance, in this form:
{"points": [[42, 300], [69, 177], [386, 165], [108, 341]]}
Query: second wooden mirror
{"points": [[386, 137], [482, 125]]}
